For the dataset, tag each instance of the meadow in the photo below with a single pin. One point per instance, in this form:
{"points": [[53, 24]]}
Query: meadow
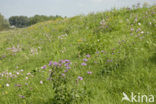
{"points": [[89, 59]]}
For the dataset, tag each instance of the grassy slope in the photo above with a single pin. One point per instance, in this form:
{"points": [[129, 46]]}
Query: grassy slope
{"points": [[132, 53]]}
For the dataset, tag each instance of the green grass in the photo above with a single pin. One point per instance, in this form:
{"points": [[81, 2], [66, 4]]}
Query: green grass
{"points": [[122, 46]]}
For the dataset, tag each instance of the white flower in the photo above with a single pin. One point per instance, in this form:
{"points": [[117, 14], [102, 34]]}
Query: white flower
{"points": [[7, 85], [142, 32], [26, 77], [41, 82], [139, 23], [17, 73]]}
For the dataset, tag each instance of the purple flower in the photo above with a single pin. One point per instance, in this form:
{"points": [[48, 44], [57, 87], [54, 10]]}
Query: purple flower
{"points": [[85, 60], [63, 74], [67, 61], [80, 78], [88, 55], [89, 72], [43, 67], [102, 51], [62, 61], [68, 67], [55, 63], [67, 64], [83, 64], [50, 63], [66, 71], [21, 96]]}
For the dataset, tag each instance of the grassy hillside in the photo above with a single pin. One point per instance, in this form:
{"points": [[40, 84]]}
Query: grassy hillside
{"points": [[89, 59]]}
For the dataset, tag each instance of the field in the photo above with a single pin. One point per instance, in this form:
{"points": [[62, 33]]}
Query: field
{"points": [[89, 59]]}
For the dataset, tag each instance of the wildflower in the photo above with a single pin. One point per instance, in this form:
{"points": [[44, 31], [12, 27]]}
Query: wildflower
{"points": [[41, 82], [21, 96], [43, 67], [26, 83], [83, 64], [102, 51], [80, 78], [85, 60], [55, 63], [89, 72], [50, 63], [68, 67], [7, 85], [21, 70], [139, 23], [26, 77], [63, 74], [66, 71], [88, 55], [67, 61], [67, 64], [142, 32], [17, 73], [28, 73]]}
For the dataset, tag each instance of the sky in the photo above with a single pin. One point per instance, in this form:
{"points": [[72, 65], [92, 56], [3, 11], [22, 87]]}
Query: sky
{"points": [[63, 8]]}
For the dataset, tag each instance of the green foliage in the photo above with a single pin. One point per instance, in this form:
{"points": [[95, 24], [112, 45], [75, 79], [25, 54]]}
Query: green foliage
{"points": [[24, 21], [121, 59], [3, 23], [19, 21]]}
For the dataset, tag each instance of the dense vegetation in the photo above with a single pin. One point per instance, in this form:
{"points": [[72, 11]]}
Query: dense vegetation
{"points": [[3, 23], [89, 59], [24, 21]]}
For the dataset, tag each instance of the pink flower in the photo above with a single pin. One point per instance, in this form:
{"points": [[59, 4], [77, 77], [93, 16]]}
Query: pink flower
{"points": [[89, 72], [80, 78]]}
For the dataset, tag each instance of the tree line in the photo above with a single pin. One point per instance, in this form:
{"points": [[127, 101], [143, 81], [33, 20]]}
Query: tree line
{"points": [[24, 21]]}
